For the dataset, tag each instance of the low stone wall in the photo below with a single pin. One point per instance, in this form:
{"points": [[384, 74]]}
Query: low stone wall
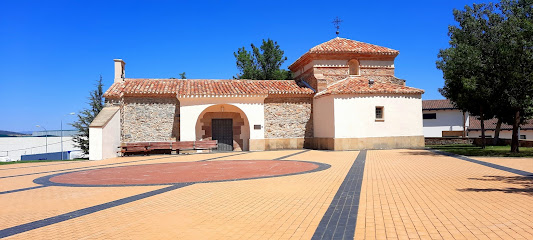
{"points": [[447, 141], [288, 117], [150, 119]]}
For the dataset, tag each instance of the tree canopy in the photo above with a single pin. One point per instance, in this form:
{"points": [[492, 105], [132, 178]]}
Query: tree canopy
{"points": [[87, 115], [488, 66], [261, 63]]}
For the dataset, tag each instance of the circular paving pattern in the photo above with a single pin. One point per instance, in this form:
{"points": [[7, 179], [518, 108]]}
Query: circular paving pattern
{"points": [[185, 172]]}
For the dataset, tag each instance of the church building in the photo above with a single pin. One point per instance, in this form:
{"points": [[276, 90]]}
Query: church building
{"points": [[344, 96]]}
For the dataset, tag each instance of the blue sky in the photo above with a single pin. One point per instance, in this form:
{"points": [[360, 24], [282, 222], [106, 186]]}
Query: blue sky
{"points": [[52, 52]]}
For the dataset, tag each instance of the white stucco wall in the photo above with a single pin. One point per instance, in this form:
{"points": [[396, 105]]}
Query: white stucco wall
{"points": [[507, 134], [191, 108], [104, 141], [447, 120], [14, 147], [355, 116], [323, 117]]}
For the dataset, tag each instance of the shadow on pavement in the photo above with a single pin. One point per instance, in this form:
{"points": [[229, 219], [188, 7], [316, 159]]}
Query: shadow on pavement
{"points": [[526, 184]]}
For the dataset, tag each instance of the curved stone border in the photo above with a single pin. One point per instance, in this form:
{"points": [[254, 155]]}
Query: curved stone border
{"points": [[45, 181]]}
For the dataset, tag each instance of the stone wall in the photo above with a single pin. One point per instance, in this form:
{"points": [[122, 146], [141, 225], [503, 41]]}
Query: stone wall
{"points": [[377, 71], [288, 117], [147, 119], [447, 141], [333, 74]]}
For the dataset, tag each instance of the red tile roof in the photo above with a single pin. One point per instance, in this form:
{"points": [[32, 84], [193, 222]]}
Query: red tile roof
{"points": [[203, 87], [343, 45], [361, 85], [444, 104], [475, 124]]}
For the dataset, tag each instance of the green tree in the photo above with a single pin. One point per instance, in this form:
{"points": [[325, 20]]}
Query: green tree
{"points": [[515, 63], [466, 63], [261, 63], [488, 67], [182, 75], [86, 116]]}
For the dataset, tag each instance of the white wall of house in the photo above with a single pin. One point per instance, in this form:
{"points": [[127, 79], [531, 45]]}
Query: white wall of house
{"points": [[323, 117], [192, 108], [447, 120], [14, 147], [507, 134], [355, 116]]}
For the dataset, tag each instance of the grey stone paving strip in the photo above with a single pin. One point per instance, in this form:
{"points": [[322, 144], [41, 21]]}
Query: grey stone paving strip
{"points": [[487, 164], [21, 189], [82, 212], [339, 220], [293, 154]]}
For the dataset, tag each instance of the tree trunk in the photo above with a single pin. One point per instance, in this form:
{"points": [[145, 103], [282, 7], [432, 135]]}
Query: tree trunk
{"points": [[497, 132], [516, 125], [482, 120]]}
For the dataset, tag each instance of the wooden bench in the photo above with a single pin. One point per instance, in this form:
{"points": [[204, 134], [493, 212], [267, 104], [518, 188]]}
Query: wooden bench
{"points": [[146, 147]]}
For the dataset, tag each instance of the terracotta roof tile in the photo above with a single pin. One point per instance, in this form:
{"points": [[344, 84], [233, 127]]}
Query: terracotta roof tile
{"points": [[203, 87], [437, 105], [361, 85], [475, 124], [343, 45]]}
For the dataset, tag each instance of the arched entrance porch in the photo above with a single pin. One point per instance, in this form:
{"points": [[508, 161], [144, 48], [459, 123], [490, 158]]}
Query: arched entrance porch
{"points": [[226, 123]]}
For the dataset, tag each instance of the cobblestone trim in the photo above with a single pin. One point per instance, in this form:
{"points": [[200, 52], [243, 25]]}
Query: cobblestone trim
{"points": [[341, 216]]}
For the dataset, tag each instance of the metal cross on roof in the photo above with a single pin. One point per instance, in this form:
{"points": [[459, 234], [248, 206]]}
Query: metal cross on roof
{"points": [[337, 23]]}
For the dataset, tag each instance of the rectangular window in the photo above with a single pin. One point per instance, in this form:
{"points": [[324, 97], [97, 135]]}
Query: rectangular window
{"points": [[430, 116], [522, 136], [380, 114]]}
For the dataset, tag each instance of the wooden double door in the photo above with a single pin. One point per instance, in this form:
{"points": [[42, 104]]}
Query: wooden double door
{"points": [[223, 132]]}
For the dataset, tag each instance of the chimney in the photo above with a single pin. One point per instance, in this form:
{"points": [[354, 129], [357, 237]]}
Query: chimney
{"points": [[120, 70]]}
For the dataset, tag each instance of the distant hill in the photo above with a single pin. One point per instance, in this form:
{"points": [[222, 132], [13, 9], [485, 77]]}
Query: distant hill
{"points": [[4, 133]]}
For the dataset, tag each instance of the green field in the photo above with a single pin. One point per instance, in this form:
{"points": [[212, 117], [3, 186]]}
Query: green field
{"points": [[489, 151]]}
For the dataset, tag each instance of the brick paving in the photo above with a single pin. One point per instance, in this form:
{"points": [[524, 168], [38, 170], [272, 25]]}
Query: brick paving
{"points": [[524, 164], [404, 194]]}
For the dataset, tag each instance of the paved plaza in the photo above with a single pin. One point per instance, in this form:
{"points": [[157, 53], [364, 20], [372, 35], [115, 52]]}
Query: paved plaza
{"points": [[290, 194]]}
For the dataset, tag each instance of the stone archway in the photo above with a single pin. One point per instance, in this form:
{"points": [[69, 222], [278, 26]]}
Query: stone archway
{"points": [[241, 129]]}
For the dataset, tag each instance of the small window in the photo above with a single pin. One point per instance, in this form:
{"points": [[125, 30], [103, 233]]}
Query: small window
{"points": [[354, 67], [522, 136], [430, 116], [380, 115]]}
